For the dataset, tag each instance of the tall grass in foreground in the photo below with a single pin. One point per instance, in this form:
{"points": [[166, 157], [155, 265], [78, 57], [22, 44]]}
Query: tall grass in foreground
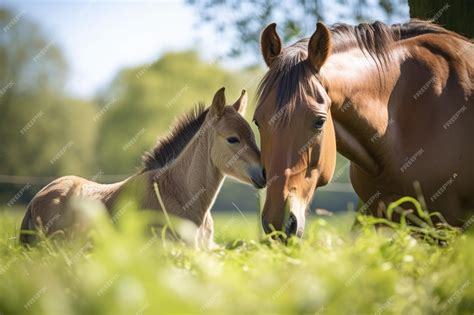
{"points": [[121, 270]]}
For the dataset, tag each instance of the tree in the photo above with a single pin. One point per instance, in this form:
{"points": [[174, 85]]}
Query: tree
{"points": [[240, 22], [43, 132], [455, 15]]}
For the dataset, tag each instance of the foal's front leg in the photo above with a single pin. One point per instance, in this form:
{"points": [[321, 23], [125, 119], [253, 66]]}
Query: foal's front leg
{"points": [[205, 234]]}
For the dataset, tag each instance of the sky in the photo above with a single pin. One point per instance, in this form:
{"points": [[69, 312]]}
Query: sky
{"points": [[100, 38]]}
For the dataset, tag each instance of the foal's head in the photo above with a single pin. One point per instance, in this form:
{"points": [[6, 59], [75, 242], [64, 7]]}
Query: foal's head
{"points": [[232, 143], [296, 129]]}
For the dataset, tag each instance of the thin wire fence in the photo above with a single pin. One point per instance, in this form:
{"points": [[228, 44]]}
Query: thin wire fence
{"points": [[44, 180], [336, 187]]}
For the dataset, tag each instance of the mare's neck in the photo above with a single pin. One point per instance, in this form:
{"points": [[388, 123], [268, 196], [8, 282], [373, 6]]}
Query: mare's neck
{"points": [[360, 92]]}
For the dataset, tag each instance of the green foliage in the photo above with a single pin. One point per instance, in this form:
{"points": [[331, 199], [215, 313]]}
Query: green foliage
{"points": [[60, 139], [43, 132], [123, 271], [295, 18]]}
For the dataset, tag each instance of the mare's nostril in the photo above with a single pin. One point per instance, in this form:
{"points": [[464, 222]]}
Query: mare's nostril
{"points": [[264, 174], [291, 225]]}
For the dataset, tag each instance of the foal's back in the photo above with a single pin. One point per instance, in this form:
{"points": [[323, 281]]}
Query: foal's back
{"points": [[50, 204]]}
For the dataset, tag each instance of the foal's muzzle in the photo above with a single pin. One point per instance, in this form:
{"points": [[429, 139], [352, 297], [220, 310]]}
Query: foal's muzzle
{"points": [[257, 175]]}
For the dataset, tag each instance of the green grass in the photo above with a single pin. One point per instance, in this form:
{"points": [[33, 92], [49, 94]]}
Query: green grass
{"points": [[123, 271]]}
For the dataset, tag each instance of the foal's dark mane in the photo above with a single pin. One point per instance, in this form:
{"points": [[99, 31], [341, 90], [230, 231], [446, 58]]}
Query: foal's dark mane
{"points": [[169, 147], [292, 76]]}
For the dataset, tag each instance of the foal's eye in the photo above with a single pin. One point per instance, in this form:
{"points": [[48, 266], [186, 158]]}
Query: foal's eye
{"points": [[233, 140], [319, 123]]}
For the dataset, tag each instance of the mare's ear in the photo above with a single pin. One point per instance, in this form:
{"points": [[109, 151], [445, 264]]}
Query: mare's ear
{"points": [[241, 104], [319, 46], [218, 103], [270, 44]]}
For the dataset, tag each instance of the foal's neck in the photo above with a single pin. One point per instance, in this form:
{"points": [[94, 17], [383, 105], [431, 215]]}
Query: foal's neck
{"points": [[359, 90], [189, 185]]}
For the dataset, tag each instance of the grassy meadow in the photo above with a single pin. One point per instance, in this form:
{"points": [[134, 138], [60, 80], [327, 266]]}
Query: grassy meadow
{"points": [[120, 270]]}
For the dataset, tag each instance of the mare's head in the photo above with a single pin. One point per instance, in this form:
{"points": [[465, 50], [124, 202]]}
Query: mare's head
{"points": [[296, 130], [233, 149]]}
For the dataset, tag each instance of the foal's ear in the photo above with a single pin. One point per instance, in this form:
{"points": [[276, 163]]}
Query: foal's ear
{"points": [[319, 46], [241, 104], [270, 43], [218, 103]]}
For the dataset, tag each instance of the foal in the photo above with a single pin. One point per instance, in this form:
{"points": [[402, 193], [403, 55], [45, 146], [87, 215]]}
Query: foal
{"points": [[188, 167]]}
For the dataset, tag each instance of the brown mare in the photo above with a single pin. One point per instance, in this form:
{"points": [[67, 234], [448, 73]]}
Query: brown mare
{"points": [[397, 100], [189, 166]]}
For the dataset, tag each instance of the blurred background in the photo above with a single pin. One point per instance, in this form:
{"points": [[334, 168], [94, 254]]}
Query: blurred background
{"points": [[87, 87]]}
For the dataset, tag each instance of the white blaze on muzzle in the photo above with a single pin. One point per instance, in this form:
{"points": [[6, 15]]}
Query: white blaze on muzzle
{"points": [[295, 210]]}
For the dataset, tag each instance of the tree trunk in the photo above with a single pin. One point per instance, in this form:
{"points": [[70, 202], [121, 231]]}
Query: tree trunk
{"points": [[456, 15]]}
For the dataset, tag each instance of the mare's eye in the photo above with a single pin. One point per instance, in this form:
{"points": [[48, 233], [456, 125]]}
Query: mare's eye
{"points": [[256, 123], [319, 123], [233, 140]]}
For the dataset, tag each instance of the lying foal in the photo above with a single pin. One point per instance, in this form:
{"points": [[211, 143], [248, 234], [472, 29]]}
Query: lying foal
{"points": [[188, 167]]}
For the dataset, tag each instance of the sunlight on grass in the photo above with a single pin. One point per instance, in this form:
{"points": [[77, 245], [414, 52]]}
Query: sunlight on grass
{"points": [[126, 271]]}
